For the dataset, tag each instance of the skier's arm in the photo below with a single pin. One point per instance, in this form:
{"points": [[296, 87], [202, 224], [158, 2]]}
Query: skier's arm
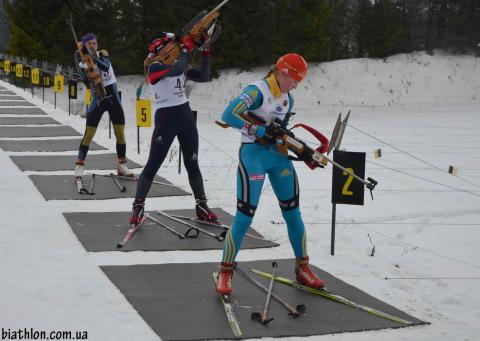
{"points": [[204, 74], [250, 99], [158, 71], [102, 60]]}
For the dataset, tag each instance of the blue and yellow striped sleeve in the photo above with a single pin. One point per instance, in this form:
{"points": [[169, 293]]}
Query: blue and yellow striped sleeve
{"points": [[250, 99]]}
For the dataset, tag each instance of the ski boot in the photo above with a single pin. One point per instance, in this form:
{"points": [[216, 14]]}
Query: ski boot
{"points": [[79, 168], [306, 276], [203, 211], [137, 211], [224, 280], [122, 168]]}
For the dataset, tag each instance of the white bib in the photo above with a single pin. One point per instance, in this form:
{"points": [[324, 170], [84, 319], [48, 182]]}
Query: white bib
{"points": [[108, 77], [169, 92], [270, 109]]}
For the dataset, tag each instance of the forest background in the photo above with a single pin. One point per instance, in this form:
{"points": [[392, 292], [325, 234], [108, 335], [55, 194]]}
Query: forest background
{"points": [[254, 32]]}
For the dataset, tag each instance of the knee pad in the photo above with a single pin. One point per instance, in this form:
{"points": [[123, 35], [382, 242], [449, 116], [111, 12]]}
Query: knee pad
{"points": [[290, 204], [246, 208]]}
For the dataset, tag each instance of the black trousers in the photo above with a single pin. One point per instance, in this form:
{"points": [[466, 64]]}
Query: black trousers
{"points": [[171, 122], [95, 112]]}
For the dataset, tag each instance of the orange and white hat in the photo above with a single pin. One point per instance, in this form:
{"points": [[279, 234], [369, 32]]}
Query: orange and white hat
{"points": [[293, 65]]}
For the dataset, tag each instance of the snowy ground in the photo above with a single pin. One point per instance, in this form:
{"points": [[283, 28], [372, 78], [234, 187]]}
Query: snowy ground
{"points": [[423, 222]]}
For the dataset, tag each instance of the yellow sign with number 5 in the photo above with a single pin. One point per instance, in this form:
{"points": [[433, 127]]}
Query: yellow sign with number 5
{"points": [[144, 113]]}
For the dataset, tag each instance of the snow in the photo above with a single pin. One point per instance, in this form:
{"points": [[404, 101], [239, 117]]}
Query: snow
{"points": [[423, 222]]}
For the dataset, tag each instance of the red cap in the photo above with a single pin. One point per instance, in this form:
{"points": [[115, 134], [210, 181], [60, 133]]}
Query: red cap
{"points": [[293, 65]]}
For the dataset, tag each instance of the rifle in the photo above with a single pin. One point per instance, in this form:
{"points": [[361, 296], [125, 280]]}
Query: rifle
{"points": [[202, 29], [285, 140], [92, 71]]}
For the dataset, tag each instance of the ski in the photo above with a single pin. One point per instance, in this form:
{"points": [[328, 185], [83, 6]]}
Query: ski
{"points": [[232, 320], [136, 177], [131, 231], [212, 224], [80, 186], [334, 297], [220, 237]]}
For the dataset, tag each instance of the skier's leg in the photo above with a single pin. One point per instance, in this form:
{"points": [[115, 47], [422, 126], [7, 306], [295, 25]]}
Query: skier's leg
{"points": [[117, 116], [94, 115], [188, 139], [250, 178], [162, 138], [285, 185]]}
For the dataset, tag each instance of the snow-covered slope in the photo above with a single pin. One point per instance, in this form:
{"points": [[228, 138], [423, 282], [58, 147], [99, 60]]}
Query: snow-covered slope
{"points": [[424, 223]]}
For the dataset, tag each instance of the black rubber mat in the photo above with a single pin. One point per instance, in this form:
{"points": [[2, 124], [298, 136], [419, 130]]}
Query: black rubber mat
{"points": [[67, 162], [16, 103], [27, 120], [45, 145], [102, 231], [38, 131], [22, 111], [62, 187], [178, 301]]}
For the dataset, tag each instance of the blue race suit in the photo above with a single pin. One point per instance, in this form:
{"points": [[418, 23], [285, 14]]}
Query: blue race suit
{"points": [[258, 160]]}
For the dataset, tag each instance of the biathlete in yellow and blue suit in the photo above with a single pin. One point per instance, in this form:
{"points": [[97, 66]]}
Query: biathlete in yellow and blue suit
{"points": [[111, 103], [268, 98]]}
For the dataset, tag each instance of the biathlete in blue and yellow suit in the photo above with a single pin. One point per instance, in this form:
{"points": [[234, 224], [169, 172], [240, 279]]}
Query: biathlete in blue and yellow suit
{"points": [[268, 98], [173, 118], [97, 108]]}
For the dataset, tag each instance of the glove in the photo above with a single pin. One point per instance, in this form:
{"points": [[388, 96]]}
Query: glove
{"points": [[258, 131], [188, 43], [268, 133], [103, 53]]}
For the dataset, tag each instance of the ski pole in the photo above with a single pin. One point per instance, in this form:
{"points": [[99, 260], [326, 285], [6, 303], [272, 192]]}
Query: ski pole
{"points": [[175, 232], [219, 237], [135, 178], [91, 190], [217, 225], [293, 311], [262, 318], [122, 188]]}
